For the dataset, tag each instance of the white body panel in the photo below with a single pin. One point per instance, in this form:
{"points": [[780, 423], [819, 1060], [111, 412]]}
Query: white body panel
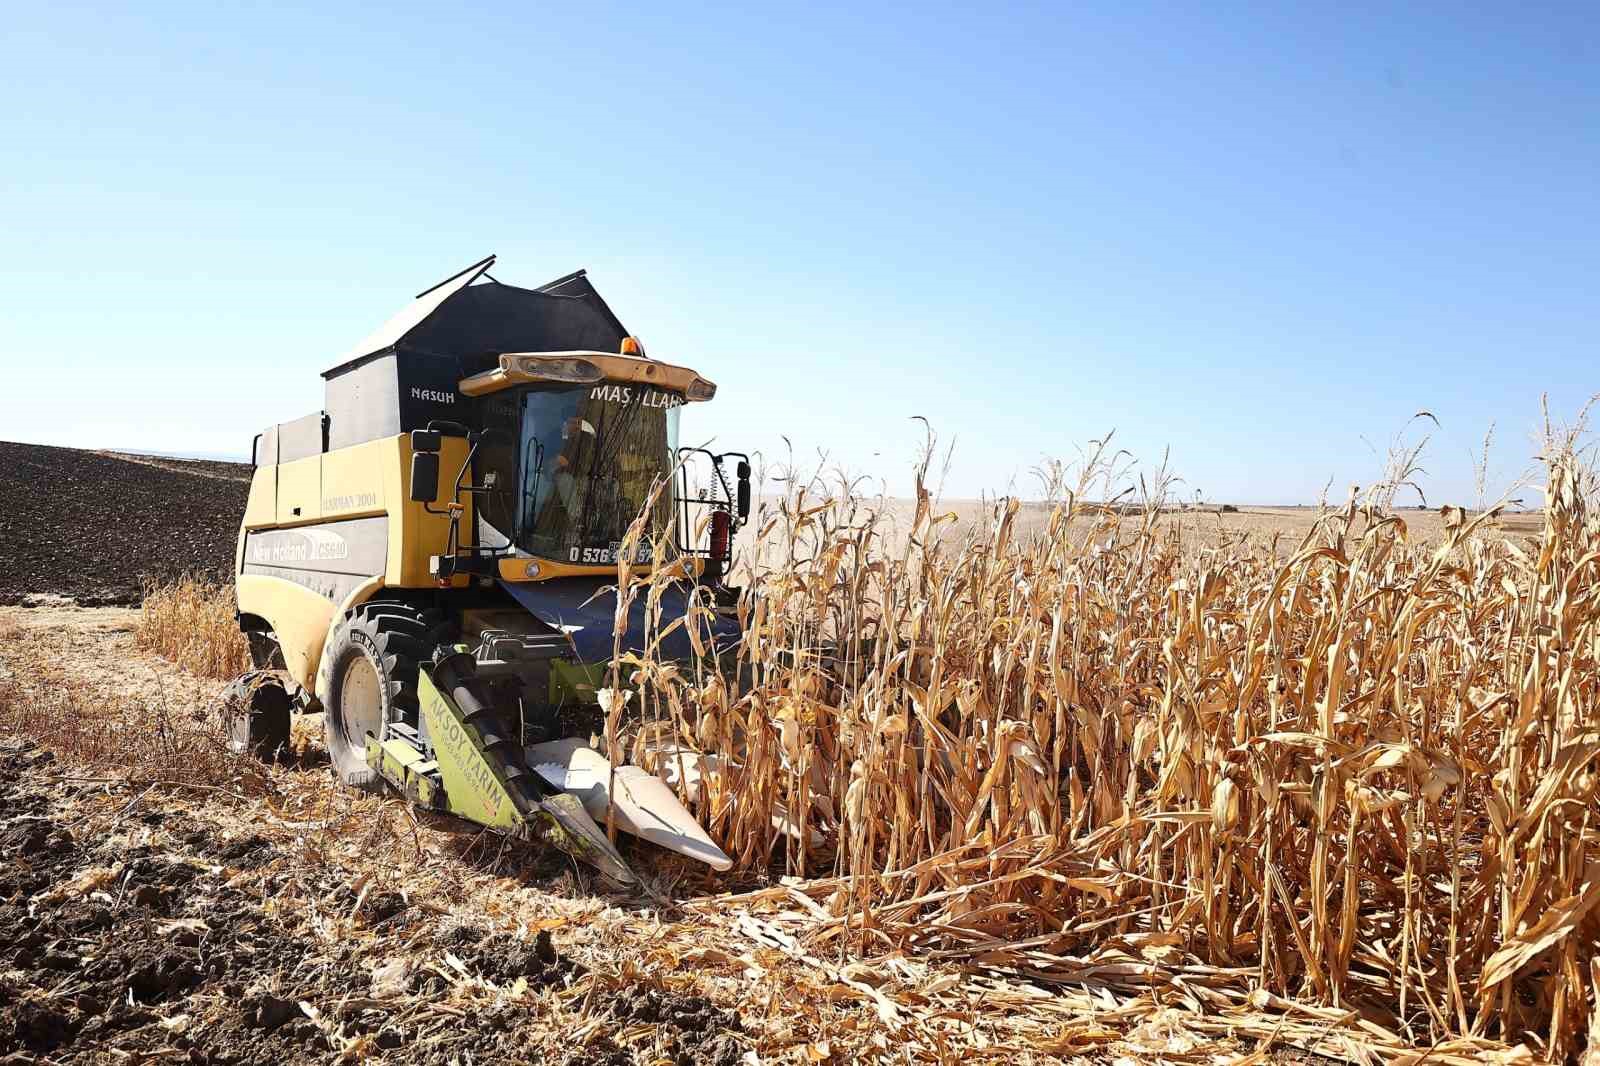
{"points": [[644, 805]]}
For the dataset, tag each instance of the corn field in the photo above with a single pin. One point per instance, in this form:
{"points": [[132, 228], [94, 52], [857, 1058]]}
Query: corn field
{"points": [[1359, 774]]}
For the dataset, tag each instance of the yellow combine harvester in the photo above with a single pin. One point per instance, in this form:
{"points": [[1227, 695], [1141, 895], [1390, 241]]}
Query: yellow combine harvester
{"points": [[428, 560]]}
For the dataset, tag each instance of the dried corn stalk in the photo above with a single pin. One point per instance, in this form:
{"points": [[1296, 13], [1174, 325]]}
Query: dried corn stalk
{"points": [[1361, 773]]}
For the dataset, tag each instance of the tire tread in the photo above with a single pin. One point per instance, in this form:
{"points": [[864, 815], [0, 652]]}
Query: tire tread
{"points": [[402, 637]]}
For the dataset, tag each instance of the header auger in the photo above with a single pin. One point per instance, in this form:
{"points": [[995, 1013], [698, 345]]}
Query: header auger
{"points": [[427, 561]]}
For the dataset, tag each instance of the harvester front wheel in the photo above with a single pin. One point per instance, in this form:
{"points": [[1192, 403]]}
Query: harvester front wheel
{"points": [[368, 679]]}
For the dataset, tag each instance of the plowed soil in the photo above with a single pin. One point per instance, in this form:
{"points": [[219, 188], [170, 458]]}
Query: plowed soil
{"points": [[157, 940], [94, 526], [267, 916]]}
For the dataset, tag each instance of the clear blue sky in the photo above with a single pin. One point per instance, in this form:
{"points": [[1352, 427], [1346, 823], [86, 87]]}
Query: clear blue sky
{"points": [[1254, 234]]}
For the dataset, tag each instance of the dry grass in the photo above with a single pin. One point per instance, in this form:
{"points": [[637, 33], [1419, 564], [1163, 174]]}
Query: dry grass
{"points": [[141, 737], [191, 622], [1355, 781]]}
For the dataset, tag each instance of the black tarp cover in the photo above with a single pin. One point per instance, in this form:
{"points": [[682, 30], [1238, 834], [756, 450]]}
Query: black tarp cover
{"points": [[500, 318], [461, 320]]}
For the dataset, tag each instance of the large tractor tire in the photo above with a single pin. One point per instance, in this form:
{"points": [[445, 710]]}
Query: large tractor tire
{"points": [[368, 678]]}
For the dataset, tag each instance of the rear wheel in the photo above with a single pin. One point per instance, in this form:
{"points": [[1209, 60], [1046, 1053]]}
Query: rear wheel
{"points": [[255, 710], [368, 679], [265, 652]]}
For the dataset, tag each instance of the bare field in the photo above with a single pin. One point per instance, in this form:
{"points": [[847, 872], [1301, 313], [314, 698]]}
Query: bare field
{"points": [[96, 526]]}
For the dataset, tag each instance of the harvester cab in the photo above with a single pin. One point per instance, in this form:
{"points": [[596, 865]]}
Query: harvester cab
{"points": [[432, 561]]}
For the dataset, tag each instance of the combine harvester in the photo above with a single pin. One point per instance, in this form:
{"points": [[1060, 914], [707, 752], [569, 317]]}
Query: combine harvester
{"points": [[439, 640]]}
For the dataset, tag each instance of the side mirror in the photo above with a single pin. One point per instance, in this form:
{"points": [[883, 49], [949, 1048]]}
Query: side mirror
{"points": [[426, 440], [744, 490], [424, 476]]}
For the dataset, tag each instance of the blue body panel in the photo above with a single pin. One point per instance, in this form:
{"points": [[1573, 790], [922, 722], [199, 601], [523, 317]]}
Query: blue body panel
{"points": [[586, 607]]}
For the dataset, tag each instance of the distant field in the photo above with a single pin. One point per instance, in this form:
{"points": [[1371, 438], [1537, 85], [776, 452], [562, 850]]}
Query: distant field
{"points": [[109, 520], [1292, 523], [95, 525], [1203, 526]]}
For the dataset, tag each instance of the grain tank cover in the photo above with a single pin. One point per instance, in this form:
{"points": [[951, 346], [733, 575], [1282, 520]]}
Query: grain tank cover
{"points": [[473, 323], [406, 373], [415, 313]]}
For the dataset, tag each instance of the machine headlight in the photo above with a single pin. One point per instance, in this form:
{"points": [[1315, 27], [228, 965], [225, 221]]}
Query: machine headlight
{"points": [[577, 371]]}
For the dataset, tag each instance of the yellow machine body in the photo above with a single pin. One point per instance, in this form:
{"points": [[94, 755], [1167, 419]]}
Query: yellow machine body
{"points": [[325, 532]]}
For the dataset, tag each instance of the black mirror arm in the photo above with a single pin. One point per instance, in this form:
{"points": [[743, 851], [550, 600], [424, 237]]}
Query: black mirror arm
{"points": [[448, 429]]}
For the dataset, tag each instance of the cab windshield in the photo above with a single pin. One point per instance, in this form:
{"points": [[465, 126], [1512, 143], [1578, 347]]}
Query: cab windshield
{"points": [[586, 459]]}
